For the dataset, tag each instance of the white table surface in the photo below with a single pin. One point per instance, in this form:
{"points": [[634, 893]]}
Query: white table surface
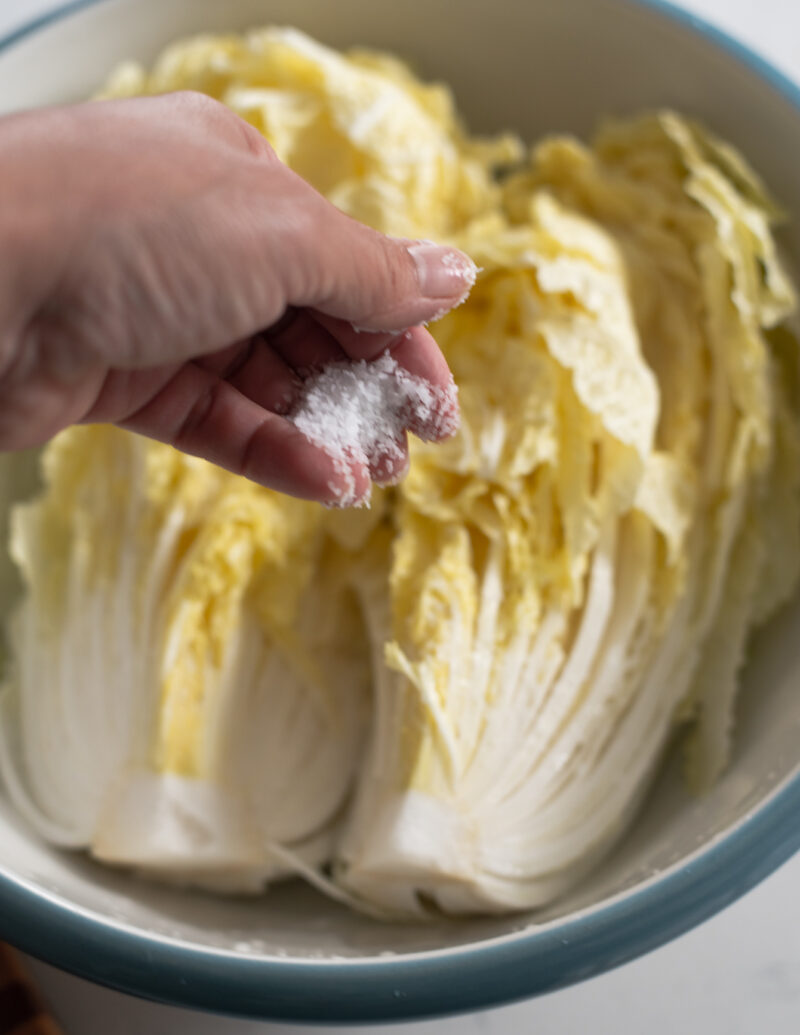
{"points": [[738, 974]]}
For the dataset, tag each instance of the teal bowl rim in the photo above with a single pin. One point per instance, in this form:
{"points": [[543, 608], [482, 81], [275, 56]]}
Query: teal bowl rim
{"points": [[429, 984]]}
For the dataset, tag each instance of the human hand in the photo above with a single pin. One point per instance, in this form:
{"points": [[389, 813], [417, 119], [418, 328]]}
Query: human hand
{"points": [[171, 276]]}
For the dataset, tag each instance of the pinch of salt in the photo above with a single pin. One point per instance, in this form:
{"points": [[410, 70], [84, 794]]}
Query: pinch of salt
{"points": [[357, 411]]}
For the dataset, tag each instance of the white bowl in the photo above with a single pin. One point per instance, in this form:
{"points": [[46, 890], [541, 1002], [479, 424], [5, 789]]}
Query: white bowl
{"points": [[534, 67]]}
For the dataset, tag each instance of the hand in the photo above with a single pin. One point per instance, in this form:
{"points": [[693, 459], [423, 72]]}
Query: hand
{"points": [[171, 276]]}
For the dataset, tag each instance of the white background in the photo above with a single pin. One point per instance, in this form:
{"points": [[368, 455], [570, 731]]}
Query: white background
{"points": [[738, 974]]}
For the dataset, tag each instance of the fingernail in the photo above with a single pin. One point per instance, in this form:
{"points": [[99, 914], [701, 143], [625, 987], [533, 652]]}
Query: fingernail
{"points": [[442, 272]]}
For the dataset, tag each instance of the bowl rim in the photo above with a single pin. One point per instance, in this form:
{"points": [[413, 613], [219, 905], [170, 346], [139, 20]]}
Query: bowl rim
{"points": [[437, 982]]}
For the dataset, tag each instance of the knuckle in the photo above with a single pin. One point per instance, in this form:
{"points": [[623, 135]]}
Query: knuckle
{"points": [[198, 415], [389, 282], [250, 461], [217, 115], [395, 268], [256, 143], [198, 102]]}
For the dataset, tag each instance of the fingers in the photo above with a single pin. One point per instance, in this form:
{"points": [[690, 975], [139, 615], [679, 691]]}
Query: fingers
{"points": [[226, 408], [415, 348], [203, 415], [344, 269], [418, 354], [303, 342], [192, 235], [389, 467], [307, 341], [389, 284], [436, 415], [257, 371]]}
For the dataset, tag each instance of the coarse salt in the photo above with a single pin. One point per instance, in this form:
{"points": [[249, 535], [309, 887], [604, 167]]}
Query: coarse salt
{"points": [[357, 411]]}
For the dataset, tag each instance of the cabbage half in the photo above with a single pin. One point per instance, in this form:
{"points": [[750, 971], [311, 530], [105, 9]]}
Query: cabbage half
{"points": [[579, 569], [184, 695]]}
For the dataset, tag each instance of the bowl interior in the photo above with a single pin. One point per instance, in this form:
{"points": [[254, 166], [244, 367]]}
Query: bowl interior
{"points": [[535, 68]]}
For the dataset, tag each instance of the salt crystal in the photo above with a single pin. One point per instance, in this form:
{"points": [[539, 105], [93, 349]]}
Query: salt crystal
{"points": [[356, 412]]}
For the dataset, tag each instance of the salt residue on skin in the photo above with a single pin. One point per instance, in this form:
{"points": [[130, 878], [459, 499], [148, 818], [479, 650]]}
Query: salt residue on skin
{"points": [[357, 412], [456, 261], [471, 276]]}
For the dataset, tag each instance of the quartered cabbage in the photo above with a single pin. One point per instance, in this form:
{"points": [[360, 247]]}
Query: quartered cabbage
{"points": [[579, 568], [188, 689], [456, 699]]}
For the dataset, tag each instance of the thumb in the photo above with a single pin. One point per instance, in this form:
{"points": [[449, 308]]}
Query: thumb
{"points": [[346, 270]]}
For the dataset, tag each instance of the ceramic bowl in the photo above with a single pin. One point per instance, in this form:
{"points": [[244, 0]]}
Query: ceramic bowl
{"points": [[535, 67]]}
